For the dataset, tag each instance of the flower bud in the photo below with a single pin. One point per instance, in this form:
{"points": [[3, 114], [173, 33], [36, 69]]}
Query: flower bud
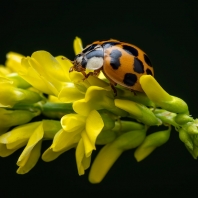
{"points": [[150, 143], [182, 119], [111, 152], [160, 97], [138, 111], [191, 128], [11, 95], [11, 118]]}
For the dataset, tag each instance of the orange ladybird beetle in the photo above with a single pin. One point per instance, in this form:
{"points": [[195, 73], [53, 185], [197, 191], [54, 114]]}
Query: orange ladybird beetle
{"points": [[122, 63]]}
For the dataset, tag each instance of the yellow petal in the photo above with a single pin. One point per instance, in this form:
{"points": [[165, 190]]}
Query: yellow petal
{"points": [[4, 71], [16, 145], [78, 45], [28, 73], [32, 159], [88, 146], [94, 125], [86, 162], [34, 139], [13, 61], [19, 134], [70, 93], [64, 140], [41, 66], [65, 65], [48, 67], [50, 155], [82, 161], [73, 122], [97, 98], [4, 151]]}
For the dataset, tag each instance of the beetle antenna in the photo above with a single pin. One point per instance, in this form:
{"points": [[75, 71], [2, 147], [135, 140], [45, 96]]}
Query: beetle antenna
{"points": [[64, 58]]}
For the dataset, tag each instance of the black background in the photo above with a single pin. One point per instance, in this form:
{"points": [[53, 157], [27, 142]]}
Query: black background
{"points": [[166, 30]]}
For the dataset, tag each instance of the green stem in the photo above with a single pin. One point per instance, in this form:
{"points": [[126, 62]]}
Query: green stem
{"points": [[56, 110]]}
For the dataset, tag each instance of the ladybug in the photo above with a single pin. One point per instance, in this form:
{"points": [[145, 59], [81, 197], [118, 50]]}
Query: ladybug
{"points": [[122, 63]]}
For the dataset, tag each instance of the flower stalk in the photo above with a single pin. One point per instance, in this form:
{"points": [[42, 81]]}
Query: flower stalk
{"points": [[83, 113]]}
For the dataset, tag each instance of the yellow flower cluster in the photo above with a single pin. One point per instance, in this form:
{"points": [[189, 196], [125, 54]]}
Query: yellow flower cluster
{"points": [[83, 113]]}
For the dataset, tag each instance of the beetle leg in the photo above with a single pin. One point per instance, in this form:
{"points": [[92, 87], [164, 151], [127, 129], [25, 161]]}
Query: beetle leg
{"points": [[114, 89], [113, 84], [84, 74], [134, 92], [94, 73]]}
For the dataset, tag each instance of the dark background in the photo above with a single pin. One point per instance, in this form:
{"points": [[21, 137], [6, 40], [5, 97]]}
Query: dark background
{"points": [[166, 30]]}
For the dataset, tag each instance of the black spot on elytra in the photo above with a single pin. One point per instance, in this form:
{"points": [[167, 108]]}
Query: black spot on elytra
{"points": [[89, 48], [149, 72], [115, 58], [95, 53], [138, 66], [147, 60], [84, 63], [130, 50], [130, 79], [109, 44]]}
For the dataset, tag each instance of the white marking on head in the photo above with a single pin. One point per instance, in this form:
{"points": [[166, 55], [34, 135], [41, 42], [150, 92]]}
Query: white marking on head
{"points": [[95, 63], [79, 59]]}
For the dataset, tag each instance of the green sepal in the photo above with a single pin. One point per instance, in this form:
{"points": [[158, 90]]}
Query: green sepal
{"points": [[106, 137], [108, 119], [18, 81], [122, 126], [166, 117]]}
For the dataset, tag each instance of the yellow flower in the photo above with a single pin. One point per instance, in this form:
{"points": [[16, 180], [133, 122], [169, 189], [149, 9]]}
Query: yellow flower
{"points": [[11, 95], [44, 72], [78, 47], [4, 71], [11, 118], [31, 135], [13, 61], [77, 131]]}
